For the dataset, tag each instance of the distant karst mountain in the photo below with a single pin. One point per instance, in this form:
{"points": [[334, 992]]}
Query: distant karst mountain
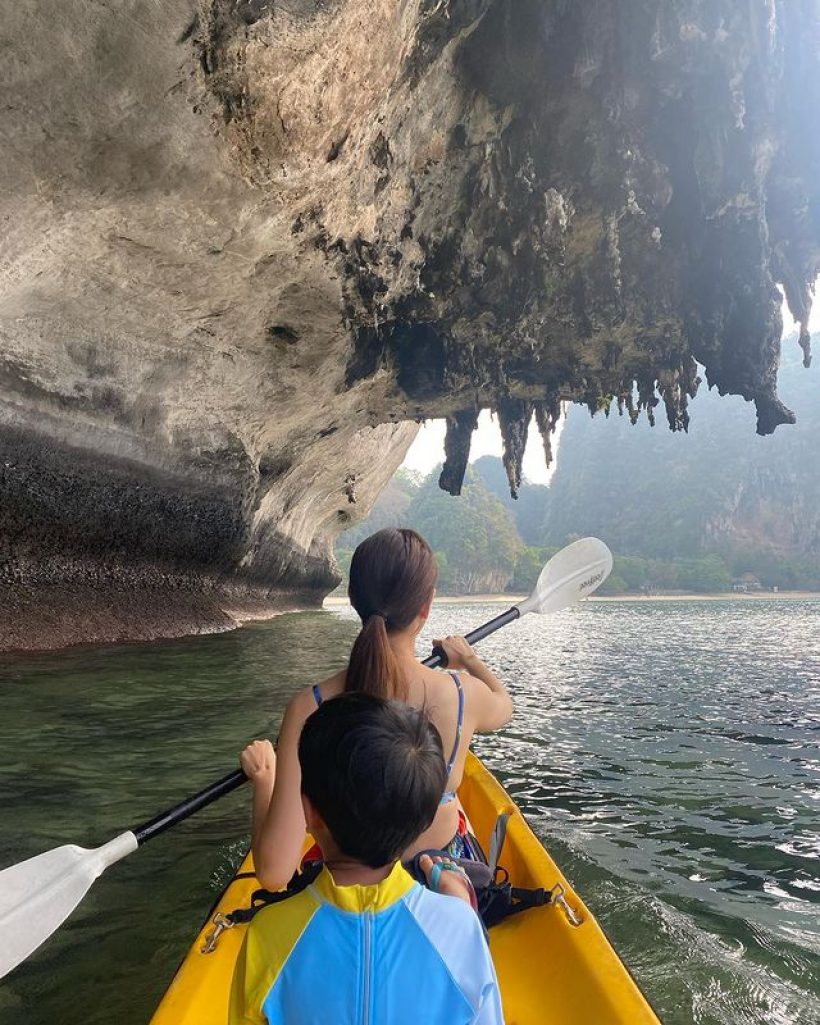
{"points": [[474, 537], [527, 510], [717, 489]]}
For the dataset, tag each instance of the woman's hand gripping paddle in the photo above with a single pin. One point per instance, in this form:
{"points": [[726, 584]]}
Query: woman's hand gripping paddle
{"points": [[36, 896], [571, 574]]}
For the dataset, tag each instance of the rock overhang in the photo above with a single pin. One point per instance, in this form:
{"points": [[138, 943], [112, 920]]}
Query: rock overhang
{"points": [[533, 201], [247, 242]]}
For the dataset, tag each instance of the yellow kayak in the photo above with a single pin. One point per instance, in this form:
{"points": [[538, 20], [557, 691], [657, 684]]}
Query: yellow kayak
{"points": [[554, 963]]}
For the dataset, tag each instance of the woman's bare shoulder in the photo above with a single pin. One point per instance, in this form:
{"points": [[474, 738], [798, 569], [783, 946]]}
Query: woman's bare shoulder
{"points": [[303, 701], [438, 684], [444, 677], [474, 690]]}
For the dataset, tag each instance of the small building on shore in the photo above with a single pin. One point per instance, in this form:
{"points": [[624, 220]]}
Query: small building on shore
{"points": [[746, 584]]}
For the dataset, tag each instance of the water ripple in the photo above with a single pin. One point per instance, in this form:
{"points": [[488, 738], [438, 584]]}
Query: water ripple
{"points": [[667, 753]]}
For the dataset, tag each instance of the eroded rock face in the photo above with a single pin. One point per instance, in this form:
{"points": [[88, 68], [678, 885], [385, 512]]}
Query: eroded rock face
{"points": [[177, 440], [247, 244]]}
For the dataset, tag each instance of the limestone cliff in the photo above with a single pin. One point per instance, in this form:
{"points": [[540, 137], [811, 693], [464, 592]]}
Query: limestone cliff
{"points": [[246, 243]]}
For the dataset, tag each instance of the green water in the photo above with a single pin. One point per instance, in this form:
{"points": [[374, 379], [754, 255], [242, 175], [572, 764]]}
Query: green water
{"points": [[667, 753]]}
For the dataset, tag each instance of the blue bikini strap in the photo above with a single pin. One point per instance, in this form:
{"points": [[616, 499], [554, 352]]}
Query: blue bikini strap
{"points": [[317, 695], [459, 724]]}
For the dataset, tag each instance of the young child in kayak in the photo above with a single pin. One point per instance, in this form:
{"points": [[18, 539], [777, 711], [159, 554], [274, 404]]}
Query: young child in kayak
{"points": [[392, 583], [364, 942]]}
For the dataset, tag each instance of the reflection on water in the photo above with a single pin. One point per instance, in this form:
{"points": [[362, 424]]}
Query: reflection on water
{"points": [[667, 753]]}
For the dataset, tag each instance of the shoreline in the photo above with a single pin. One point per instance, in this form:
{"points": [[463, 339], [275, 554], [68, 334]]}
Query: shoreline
{"points": [[33, 622], [333, 601], [229, 615]]}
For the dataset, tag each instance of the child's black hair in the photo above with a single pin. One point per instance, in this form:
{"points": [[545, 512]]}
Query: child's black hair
{"points": [[375, 772]]}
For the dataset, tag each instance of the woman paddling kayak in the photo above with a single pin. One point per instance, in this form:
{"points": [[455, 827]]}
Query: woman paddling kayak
{"points": [[392, 583]]}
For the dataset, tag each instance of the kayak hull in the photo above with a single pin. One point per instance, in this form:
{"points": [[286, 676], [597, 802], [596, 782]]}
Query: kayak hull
{"points": [[551, 971]]}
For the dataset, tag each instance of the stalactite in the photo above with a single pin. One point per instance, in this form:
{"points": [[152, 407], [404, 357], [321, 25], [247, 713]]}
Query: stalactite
{"points": [[460, 427], [547, 415], [514, 418]]}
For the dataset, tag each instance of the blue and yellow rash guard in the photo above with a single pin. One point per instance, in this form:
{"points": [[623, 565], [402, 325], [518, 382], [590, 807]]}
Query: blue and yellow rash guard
{"points": [[388, 954]]}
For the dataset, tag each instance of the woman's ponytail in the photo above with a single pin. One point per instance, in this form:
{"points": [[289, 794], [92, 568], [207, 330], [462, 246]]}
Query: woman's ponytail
{"points": [[392, 577], [373, 668]]}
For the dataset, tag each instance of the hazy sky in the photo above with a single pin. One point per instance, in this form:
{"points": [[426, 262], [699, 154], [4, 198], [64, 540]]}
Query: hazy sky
{"points": [[428, 448]]}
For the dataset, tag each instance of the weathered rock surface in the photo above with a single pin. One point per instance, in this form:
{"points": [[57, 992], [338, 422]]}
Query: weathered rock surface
{"points": [[246, 244]]}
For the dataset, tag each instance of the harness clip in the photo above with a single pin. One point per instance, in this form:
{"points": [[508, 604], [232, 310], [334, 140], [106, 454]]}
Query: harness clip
{"points": [[559, 897], [221, 923]]}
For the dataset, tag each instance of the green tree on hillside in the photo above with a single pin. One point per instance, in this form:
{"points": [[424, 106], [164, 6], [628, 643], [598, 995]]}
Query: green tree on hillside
{"points": [[528, 566], [474, 532], [474, 537], [528, 510]]}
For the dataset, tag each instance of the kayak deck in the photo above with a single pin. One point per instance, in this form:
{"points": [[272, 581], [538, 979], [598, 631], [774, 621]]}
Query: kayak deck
{"points": [[551, 971]]}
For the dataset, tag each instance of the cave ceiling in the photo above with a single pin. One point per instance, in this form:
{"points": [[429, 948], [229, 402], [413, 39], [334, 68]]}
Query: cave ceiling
{"points": [[531, 201]]}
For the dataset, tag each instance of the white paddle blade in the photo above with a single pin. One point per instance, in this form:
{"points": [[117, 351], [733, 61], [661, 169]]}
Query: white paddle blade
{"points": [[36, 896], [573, 573]]}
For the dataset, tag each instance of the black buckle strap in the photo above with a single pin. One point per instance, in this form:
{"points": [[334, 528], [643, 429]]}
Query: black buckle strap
{"points": [[261, 898]]}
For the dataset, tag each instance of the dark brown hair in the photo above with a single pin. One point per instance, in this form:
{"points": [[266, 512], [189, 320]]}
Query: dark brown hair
{"points": [[393, 574], [375, 772]]}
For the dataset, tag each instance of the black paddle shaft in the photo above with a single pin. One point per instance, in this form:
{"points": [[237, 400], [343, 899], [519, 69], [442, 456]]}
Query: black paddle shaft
{"points": [[438, 658], [181, 811], [166, 819]]}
